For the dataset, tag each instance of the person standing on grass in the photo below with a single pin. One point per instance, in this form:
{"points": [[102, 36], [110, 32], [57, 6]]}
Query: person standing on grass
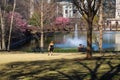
{"points": [[51, 48]]}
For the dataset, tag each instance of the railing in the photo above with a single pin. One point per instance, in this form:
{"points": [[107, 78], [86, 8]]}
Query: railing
{"points": [[82, 28]]}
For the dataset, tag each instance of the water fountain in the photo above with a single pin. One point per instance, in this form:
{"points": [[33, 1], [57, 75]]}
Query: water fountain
{"points": [[70, 42]]}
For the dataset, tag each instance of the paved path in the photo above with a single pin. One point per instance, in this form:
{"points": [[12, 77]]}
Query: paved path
{"points": [[7, 57]]}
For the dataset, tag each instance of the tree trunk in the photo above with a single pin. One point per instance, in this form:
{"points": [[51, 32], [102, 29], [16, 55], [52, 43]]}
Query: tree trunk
{"points": [[11, 25], [31, 8], [3, 47], [89, 39], [0, 45], [3, 35], [100, 39], [42, 41], [42, 33], [100, 27]]}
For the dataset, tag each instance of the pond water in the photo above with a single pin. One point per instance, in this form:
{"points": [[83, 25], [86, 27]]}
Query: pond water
{"points": [[111, 40]]}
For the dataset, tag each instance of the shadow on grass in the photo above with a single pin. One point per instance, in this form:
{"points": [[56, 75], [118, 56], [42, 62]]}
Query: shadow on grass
{"points": [[98, 68]]}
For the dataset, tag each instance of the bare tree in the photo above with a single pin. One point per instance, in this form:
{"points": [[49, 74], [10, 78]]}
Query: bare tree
{"points": [[44, 14], [100, 23], [24, 8], [88, 9], [41, 23], [11, 24], [2, 24]]}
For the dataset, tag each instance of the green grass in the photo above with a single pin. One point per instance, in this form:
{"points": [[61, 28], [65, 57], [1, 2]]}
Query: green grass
{"points": [[58, 50], [98, 68], [65, 50]]}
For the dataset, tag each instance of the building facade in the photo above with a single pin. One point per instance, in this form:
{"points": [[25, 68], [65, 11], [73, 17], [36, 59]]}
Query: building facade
{"points": [[117, 13], [116, 19], [67, 9]]}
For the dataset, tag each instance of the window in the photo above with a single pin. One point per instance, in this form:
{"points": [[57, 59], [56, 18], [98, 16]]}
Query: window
{"points": [[66, 11]]}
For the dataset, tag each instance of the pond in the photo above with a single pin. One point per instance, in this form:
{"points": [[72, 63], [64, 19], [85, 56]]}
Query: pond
{"points": [[111, 40], [68, 40]]}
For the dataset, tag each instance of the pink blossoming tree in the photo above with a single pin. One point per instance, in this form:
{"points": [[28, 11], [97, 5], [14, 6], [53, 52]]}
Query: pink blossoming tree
{"points": [[62, 21], [18, 21]]}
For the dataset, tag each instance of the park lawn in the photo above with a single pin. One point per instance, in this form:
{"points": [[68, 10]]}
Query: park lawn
{"points": [[98, 68]]}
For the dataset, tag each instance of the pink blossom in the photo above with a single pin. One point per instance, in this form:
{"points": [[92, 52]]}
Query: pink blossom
{"points": [[18, 20], [62, 20]]}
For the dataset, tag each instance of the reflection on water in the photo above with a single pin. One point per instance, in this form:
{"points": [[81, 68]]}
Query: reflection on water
{"points": [[111, 40]]}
